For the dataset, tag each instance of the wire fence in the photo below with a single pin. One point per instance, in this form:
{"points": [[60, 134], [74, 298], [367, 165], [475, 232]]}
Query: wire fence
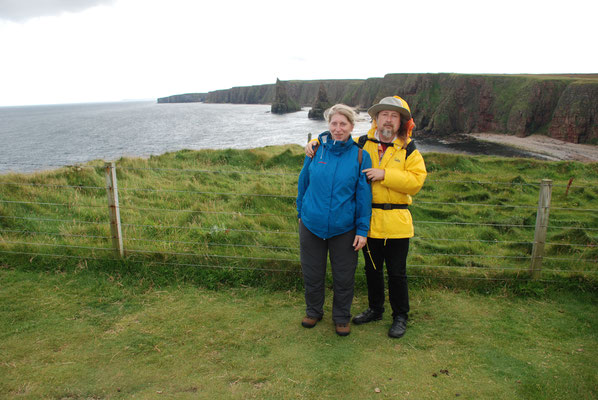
{"points": [[152, 224]]}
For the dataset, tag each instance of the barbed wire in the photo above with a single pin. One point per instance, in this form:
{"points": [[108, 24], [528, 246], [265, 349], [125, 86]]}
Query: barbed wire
{"points": [[54, 220], [212, 255], [482, 182], [209, 212], [470, 255], [212, 244], [54, 234], [417, 238], [273, 215], [58, 245], [208, 193], [53, 204], [475, 224], [554, 184], [298, 270], [415, 204], [570, 259], [283, 259], [211, 171], [479, 268], [218, 230], [52, 185]]}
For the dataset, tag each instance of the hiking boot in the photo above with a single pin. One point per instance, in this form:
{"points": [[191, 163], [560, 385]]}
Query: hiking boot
{"points": [[343, 329], [368, 315], [310, 322], [398, 327]]}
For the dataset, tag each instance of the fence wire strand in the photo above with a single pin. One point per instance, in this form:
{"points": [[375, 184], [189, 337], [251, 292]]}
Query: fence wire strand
{"points": [[54, 220], [297, 270], [217, 229], [55, 234]]}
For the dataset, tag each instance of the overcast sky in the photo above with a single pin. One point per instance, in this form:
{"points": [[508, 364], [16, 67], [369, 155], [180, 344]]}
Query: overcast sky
{"points": [[65, 51]]}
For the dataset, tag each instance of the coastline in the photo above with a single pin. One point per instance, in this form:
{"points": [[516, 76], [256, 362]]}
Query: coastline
{"points": [[551, 149]]}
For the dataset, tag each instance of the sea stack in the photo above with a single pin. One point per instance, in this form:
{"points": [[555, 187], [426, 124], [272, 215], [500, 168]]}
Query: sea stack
{"points": [[282, 102], [320, 105]]}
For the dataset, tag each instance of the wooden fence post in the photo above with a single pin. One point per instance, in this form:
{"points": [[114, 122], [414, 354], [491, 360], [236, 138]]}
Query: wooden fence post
{"points": [[112, 191], [541, 227]]}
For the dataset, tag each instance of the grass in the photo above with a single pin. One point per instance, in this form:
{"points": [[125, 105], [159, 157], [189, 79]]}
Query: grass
{"points": [[207, 301], [228, 217], [87, 335]]}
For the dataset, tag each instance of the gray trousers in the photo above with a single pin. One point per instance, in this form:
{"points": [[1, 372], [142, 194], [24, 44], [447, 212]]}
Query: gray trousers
{"points": [[343, 259]]}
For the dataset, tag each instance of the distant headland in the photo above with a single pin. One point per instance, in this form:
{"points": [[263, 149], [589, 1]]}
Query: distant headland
{"points": [[561, 106]]}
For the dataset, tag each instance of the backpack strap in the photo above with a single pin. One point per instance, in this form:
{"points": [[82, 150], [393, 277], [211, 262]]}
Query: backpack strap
{"points": [[360, 157], [410, 148], [361, 141]]}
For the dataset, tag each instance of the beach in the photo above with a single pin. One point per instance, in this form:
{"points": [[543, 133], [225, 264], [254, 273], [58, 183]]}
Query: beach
{"points": [[549, 148]]}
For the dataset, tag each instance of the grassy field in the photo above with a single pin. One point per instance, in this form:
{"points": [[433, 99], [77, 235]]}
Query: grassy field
{"points": [[83, 335], [229, 217], [207, 301]]}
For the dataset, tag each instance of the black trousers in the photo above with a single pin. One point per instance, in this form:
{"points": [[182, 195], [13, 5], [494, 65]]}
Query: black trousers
{"points": [[343, 260], [393, 253]]}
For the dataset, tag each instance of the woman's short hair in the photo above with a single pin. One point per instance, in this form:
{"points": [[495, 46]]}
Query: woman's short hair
{"points": [[341, 109]]}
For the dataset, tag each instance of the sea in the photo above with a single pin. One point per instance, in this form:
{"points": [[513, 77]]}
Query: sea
{"points": [[49, 136]]}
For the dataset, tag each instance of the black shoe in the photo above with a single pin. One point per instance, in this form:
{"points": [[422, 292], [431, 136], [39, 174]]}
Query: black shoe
{"points": [[368, 315], [398, 327]]}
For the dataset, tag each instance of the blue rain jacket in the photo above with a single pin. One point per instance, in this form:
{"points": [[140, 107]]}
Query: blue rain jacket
{"points": [[334, 196]]}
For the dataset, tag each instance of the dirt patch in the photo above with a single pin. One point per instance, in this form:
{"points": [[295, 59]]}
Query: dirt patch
{"points": [[551, 149]]}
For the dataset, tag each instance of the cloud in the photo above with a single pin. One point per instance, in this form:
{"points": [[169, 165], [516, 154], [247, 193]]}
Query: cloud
{"points": [[22, 10]]}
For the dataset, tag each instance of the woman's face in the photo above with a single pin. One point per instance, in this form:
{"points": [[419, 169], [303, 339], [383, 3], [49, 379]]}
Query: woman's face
{"points": [[340, 127]]}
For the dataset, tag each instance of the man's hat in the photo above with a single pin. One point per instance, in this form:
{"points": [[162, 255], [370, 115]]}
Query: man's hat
{"points": [[392, 103]]}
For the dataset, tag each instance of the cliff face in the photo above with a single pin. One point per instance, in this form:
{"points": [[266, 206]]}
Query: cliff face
{"points": [[576, 116], [184, 98], [561, 106]]}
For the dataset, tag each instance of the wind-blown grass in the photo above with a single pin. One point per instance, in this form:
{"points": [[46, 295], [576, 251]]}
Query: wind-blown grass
{"points": [[228, 217]]}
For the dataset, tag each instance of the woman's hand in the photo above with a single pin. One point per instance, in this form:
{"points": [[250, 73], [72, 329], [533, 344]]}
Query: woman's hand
{"points": [[374, 174], [310, 148], [359, 242]]}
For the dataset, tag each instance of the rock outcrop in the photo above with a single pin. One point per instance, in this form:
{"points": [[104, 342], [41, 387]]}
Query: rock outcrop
{"points": [[320, 104], [561, 106], [282, 102]]}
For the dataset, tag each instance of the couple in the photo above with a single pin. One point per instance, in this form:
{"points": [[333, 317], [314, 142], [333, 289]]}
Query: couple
{"points": [[349, 190]]}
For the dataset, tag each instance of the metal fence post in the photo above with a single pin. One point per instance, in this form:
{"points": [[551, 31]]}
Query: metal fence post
{"points": [[112, 191], [541, 227]]}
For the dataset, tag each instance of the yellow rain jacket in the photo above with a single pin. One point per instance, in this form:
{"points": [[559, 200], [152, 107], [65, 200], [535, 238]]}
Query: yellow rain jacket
{"points": [[404, 175]]}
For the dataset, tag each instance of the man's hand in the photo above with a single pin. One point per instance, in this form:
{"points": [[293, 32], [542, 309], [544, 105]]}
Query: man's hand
{"points": [[310, 148], [359, 242], [374, 174]]}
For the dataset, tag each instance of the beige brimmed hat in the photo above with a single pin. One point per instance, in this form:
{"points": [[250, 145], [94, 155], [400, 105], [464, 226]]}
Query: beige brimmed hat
{"points": [[392, 103]]}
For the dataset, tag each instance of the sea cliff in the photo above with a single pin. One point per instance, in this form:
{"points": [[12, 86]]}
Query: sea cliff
{"points": [[564, 107]]}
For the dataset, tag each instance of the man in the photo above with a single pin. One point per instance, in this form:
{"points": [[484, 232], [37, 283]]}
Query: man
{"points": [[398, 173]]}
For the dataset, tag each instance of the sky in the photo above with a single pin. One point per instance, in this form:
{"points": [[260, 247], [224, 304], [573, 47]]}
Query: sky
{"points": [[72, 51]]}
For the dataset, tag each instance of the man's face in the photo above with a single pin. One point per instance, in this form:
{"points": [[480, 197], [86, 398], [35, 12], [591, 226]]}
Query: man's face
{"points": [[388, 123]]}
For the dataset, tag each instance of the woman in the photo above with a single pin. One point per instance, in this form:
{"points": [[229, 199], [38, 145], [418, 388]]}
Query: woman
{"points": [[334, 209]]}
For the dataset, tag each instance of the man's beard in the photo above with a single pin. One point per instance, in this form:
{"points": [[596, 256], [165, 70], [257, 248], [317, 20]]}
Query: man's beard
{"points": [[386, 134]]}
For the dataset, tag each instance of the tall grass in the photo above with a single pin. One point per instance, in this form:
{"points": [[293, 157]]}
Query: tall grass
{"points": [[228, 217]]}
